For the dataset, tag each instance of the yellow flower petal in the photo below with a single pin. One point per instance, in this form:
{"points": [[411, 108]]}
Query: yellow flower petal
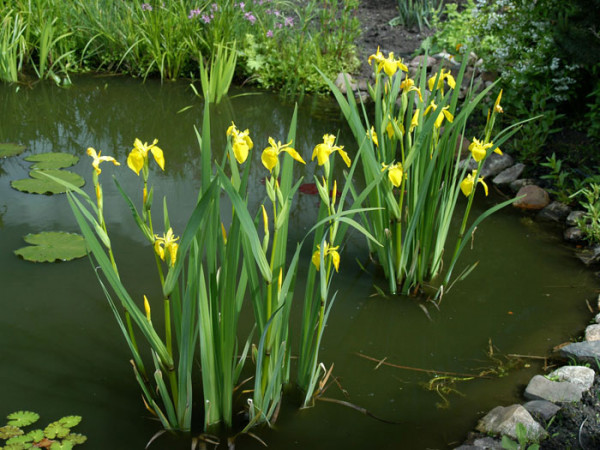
{"points": [[269, 158], [135, 160]]}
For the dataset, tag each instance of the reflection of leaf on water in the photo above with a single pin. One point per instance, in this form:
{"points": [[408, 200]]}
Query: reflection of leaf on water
{"points": [[52, 160], [41, 184], [10, 149], [52, 246]]}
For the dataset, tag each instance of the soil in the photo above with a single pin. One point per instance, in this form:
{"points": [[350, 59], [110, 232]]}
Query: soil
{"points": [[576, 426], [374, 16]]}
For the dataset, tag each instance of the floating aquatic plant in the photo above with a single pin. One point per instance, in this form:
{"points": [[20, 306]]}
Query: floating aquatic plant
{"points": [[54, 160], [39, 183], [56, 436], [50, 246], [10, 149]]}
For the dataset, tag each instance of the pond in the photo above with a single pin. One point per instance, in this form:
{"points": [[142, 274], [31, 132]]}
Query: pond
{"points": [[62, 353]]}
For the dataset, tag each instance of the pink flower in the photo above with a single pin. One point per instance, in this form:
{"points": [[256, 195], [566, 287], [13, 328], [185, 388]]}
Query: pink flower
{"points": [[146, 7], [270, 33], [289, 22], [250, 17]]}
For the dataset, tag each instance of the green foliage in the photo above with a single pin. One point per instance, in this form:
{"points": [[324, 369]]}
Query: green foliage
{"points": [[522, 438], [52, 38], [301, 39], [8, 149], [51, 246], [590, 222], [52, 160], [217, 79], [56, 436], [39, 183], [526, 45], [417, 13]]}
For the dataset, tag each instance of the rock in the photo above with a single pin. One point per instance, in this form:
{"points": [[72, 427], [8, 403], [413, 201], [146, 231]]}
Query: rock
{"points": [[583, 352], [597, 318], [509, 175], [445, 56], [493, 165], [592, 333], [573, 217], [541, 388], [590, 255], [340, 82], [554, 212], [534, 198], [573, 234], [489, 76], [363, 96], [518, 184], [542, 409], [578, 375], [418, 60], [362, 85], [503, 420]]}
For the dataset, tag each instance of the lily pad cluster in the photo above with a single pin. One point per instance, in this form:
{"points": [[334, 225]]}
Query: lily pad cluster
{"points": [[55, 436], [51, 246], [49, 164]]}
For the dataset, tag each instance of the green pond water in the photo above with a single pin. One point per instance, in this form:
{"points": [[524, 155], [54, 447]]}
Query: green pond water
{"points": [[62, 353]]}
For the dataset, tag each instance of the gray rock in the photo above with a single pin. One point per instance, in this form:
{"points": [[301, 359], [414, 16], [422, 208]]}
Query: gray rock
{"points": [[584, 352], [573, 217], [573, 234], [503, 420], [509, 175], [542, 409], [418, 60], [554, 212], [590, 255], [487, 443], [493, 165], [534, 198], [592, 333], [518, 184], [340, 82], [578, 375], [597, 318], [541, 388]]}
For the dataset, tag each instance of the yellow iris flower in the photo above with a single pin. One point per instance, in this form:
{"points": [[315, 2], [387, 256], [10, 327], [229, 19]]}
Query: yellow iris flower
{"points": [[390, 65], [371, 134], [241, 144], [444, 114], [139, 155], [395, 173], [468, 184], [100, 159], [323, 150], [414, 122], [444, 75], [408, 85], [497, 106], [270, 155], [329, 251], [166, 244], [479, 150]]}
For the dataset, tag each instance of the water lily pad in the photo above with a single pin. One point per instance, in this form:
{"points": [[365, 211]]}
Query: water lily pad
{"points": [[56, 430], [22, 418], [50, 246], [52, 160], [76, 438], [10, 149], [10, 431], [70, 421], [40, 184]]}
